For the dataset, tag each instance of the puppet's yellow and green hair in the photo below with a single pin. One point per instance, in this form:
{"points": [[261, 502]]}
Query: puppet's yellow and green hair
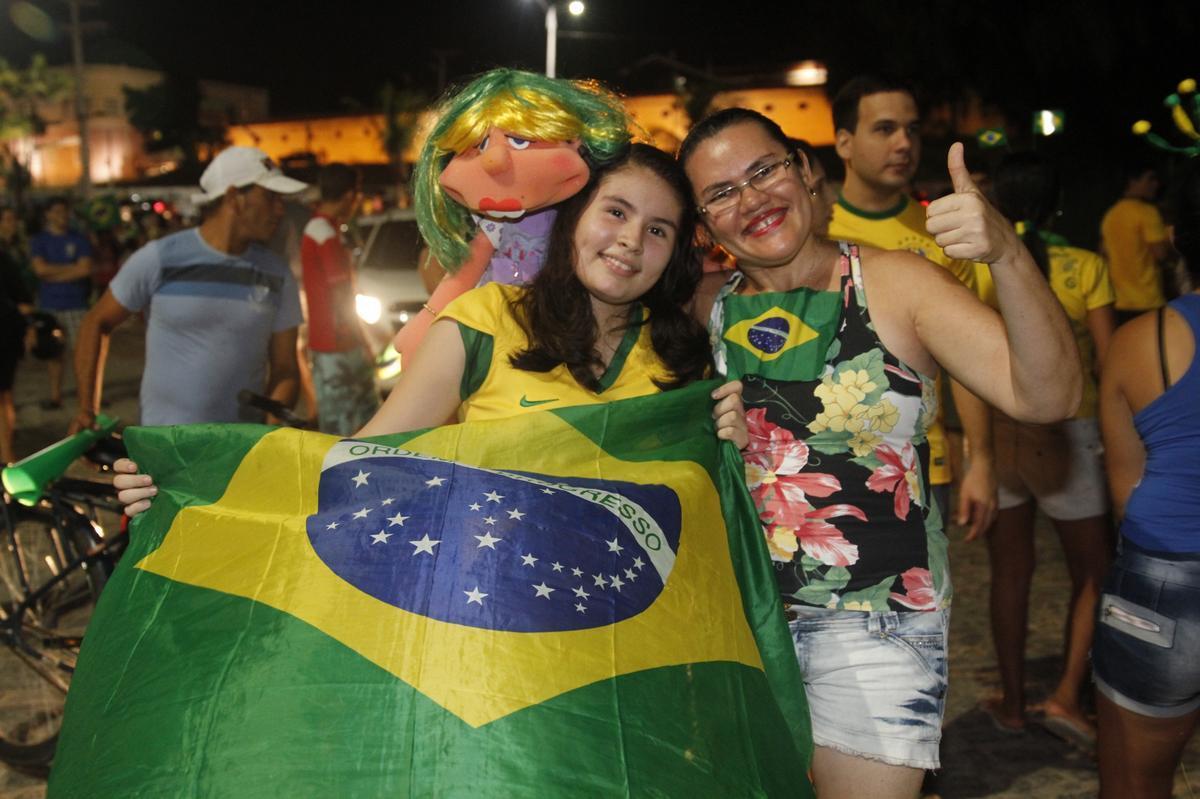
{"points": [[525, 104]]}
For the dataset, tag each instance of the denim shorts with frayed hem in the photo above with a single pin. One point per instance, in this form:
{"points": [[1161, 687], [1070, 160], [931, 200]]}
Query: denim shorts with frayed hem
{"points": [[875, 680], [1146, 653]]}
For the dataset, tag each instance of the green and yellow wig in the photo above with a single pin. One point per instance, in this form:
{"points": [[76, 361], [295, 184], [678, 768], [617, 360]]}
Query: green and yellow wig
{"points": [[525, 104]]}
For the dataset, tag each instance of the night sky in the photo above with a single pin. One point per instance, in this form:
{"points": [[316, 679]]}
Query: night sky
{"points": [[1101, 61]]}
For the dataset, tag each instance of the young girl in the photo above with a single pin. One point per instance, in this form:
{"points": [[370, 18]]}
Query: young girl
{"points": [[604, 320]]}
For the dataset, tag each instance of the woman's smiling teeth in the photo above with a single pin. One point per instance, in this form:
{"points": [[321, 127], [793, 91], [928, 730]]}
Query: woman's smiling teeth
{"points": [[618, 265], [763, 223]]}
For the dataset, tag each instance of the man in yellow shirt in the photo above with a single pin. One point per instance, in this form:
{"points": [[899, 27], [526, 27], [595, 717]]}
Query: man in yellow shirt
{"points": [[877, 128], [1135, 242]]}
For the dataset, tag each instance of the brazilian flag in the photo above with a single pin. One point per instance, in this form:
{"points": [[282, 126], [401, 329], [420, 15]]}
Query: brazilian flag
{"points": [[565, 603], [786, 333]]}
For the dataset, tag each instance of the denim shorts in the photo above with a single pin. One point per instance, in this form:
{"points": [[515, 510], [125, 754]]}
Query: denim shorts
{"points": [[875, 680], [1146, 653]]}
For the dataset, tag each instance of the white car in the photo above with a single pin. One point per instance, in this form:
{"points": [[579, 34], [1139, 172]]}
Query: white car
{"points": [[390, 289]]}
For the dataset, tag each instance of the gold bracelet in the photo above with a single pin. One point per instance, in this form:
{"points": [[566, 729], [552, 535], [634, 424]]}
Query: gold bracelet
{"points": [[427, 307]]}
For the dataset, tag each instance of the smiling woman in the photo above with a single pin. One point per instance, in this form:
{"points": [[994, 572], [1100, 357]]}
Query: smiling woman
{"points": [[839, 397]]}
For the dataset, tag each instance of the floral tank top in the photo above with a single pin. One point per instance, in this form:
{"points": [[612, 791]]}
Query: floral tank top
{"points": [[838, 460]]}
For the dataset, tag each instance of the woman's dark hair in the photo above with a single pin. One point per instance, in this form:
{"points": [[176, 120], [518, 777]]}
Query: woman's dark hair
{"points": [[713, 124], [1028, 191], [1186, 216], [556, 311]]}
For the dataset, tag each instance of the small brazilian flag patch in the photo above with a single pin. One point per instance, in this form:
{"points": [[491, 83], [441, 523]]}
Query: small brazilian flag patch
{"points": [[761, 331], [990, 138]]}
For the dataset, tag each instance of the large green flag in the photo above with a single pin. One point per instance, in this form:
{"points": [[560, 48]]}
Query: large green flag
{"points": [[560, 604]]}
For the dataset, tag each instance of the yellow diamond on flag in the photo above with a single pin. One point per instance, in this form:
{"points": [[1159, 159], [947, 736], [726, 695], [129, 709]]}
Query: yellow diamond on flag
{"points": [[771, 334]]}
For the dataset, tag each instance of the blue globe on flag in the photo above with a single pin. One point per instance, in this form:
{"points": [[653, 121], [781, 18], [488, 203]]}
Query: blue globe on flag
{"points": [[490, 549], [770, 335]]}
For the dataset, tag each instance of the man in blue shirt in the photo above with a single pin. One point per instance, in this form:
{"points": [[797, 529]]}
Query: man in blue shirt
{"points": [[62, 261], [222, 308]]}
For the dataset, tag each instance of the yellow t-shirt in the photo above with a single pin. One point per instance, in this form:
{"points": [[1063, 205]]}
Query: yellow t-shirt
{"points": [[1128, 230], [903, 228], [1079, 279], [493, 388]]}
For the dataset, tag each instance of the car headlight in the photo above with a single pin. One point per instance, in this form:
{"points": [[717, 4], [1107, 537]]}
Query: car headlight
{"points": [[368, 308]]}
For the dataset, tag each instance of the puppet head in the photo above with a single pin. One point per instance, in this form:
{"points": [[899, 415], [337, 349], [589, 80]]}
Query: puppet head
{"points": [[512, 142]]}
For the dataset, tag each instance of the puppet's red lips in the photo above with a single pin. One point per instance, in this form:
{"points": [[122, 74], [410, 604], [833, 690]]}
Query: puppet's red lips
{"points": [[507, 204]]}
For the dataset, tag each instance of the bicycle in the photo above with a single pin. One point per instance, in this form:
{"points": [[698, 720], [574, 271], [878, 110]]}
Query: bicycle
{"points": [[55, 556]]}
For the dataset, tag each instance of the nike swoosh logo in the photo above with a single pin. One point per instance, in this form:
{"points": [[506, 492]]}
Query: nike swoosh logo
{"points": [[528, 403]]}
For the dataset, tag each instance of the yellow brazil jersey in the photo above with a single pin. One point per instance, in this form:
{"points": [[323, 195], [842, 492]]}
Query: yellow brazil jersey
{"points": [[903, 228], [1128, 229], [1080, 281], [492, 388]]}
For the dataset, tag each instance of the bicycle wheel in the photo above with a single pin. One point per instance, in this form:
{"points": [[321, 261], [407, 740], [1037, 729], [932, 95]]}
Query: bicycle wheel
{"points": [[42, 628]]}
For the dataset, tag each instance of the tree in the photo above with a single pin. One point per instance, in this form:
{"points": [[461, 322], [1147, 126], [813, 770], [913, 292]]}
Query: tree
{"points": [[167, 115], [401, 112], [21, 92]]}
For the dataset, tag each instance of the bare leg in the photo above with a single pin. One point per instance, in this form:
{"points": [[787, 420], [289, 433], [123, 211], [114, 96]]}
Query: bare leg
{"points": [[307, 390], [56, 377], [1010, 550], [837, 775], [1138, 754], [1085, 545], [8, 426]]}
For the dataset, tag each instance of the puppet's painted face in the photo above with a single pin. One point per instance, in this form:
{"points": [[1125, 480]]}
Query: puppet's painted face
{"points": [[505, 176]]}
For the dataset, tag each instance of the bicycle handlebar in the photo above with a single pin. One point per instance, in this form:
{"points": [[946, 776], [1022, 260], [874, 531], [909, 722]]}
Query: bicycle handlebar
{"points": [[274, 407]]}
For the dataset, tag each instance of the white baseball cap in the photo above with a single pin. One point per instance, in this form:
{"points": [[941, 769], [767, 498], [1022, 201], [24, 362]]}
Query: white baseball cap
{"points": [[240, 167]]}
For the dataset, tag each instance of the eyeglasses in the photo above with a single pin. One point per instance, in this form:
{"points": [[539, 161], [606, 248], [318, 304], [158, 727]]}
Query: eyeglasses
{"points": [[721, 200]]}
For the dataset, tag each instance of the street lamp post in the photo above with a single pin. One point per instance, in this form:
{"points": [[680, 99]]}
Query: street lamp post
{"points": [[575, 7], [551, 38]]}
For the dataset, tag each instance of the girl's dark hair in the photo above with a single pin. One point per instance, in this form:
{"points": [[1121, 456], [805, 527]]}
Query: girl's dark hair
{"points": [[1028, 191], [1186, 216], [713, 124], [556, 310]]}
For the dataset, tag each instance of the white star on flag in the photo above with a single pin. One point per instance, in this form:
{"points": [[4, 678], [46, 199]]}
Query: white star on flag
{"points": [[630, 575], [579, 592], [613, 546], [556, 566], [388, 501], [576, 572], [615, 582], [475, 595], [638, 563], [475, 506], [542, 590], [424, 544], [547, 491], [360, 479], [380, 538], [489, 520], [579, 607], [516, 514], [362, 514], [486, 540], [331, 526], [398, 519], [435, 481], [528, 560], [492, 496], [598, 579]]}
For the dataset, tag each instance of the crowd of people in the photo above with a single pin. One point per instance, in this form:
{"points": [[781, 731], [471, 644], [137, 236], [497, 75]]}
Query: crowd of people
{"points": [[55, 259], [848, 322]]}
